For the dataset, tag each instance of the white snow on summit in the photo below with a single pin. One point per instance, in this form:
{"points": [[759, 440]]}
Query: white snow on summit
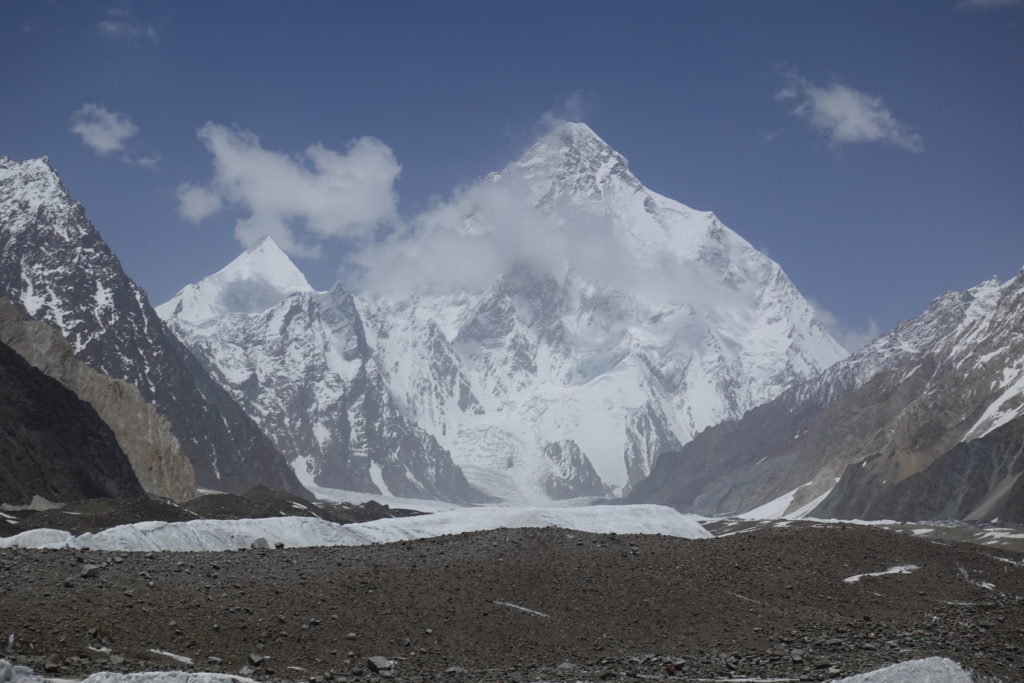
{"points": [[252, 283]]}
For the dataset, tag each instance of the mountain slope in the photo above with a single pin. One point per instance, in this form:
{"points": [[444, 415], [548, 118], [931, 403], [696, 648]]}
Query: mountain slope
{"points": [[298, 362], [660, 322], [56, 268], [907, 408], [548, 378], [53, 444], [141, 432]]}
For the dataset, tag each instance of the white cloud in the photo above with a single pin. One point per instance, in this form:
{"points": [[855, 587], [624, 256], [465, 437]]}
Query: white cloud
{"points": [[104, 130], [846, 115], [197, 203], [569, 109], [489, 228], [151, 160], [120, 25], [321, 192], [851, 338]]}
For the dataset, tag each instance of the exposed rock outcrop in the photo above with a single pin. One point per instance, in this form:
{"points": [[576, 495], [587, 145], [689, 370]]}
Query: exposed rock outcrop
{"points": [[142, 433], [52, 443]]}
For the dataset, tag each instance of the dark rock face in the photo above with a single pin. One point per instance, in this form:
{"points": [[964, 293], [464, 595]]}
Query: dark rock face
{"points": [[55, 267], [977, 480], [53, 444], [141, 432], [573, 474], [920, 424]]}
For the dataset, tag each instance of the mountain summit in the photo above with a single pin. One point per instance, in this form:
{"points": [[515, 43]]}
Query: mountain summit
{"points": [[552, 382], [256, 280]]}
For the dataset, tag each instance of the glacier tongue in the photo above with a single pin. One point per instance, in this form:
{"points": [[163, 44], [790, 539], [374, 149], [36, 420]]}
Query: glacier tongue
{"points": [[554, 378]]}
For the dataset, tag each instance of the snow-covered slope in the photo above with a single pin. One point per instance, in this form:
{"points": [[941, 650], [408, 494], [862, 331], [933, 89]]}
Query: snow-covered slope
{"points": [[298, 362], [55, 267], [298, 532], [697, 327], [552, 379]]}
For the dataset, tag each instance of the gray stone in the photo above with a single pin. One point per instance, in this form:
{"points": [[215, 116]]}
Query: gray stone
{"points": [[246, 671], [89, 571], [260, 544], [378, 664], [256, 659], [116, 659]]}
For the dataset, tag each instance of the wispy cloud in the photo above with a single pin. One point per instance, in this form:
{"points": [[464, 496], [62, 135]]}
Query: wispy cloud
{"points": [[121, 25], [846, 115], [990, 3], [298, 200], [850, 337], [103, 130], [150, 161]]}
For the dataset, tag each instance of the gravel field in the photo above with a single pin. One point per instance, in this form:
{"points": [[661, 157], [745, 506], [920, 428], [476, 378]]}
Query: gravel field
{"points": [[529, 604]]}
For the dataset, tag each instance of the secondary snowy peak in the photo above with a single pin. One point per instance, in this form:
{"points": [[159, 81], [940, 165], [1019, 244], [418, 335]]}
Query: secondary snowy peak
{"points": [[300, 366], [259, 278]]}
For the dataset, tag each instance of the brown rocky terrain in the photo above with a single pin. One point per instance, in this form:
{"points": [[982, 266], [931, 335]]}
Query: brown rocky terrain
{"points": [[52, 443], [517, 605], [141, 432]]}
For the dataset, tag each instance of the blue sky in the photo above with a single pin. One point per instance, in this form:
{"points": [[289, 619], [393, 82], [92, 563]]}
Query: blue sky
{"points": [[874, 149]]}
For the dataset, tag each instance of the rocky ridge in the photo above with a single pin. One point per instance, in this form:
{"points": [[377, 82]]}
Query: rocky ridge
{"points": [[937, 400]]}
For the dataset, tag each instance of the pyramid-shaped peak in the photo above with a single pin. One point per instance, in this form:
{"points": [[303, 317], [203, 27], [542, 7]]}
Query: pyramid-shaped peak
{"points": [[257, 279], [572, 160], [267, 262]]}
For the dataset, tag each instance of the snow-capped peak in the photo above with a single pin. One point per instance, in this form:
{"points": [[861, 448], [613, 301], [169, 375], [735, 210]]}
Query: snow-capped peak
{"points": [[25, 187], [259, 278], [571, 162]]}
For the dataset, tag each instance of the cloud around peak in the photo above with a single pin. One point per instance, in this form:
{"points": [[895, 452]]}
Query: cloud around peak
{"points": [[298, 200], [846, 115]]}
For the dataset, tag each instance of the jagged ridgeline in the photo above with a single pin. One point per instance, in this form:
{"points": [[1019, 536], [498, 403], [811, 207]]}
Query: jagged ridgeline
{"points": [[547, 380], [926, 422], [56, 268]]}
